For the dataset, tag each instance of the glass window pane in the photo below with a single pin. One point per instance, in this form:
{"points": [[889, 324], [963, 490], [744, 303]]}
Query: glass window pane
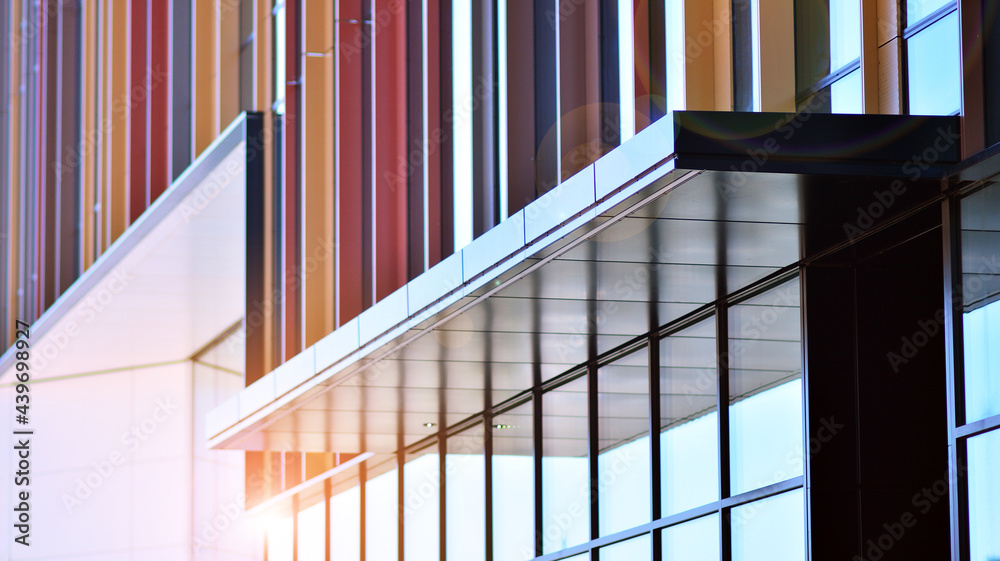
{"points": [[513, 484], [565, 475], [981, 302], [311, 534], [381, 510], [689, 424], [933, 64], [984, 497], [697, 540], [279, 539], [623, 443], [635, 549], [465, 473], [772, 529], [846, 94], [421, 500], [765, 389], [917, 10], [345, 519], [827, 37]]}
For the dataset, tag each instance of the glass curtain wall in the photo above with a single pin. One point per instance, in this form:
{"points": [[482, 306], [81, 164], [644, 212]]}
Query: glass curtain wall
{"points": [[977, 372], [684, 444], [828, 55], [933, 61]]}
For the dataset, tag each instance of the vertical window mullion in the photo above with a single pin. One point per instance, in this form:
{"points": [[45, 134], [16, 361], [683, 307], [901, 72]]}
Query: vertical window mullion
{"points": [[722, 405], [952, 266], [654, 442]]}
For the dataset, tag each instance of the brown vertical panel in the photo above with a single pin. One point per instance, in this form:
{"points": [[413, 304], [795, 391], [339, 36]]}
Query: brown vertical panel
{"points": [[869, 56], [205, 115], [254, 478], [88, 145], [485, 207], [349, 119], [228, 19], [158, 142], [970, 14], [12, 267], [699, 74], [117, 105], [317, 172], [66, 166], [292, 199], [520, 104], [579, 88], [438, 133], [777, 56], [138, 197], [417, 147], [389, 100], [51, 100], [263, 56], [722, 33], [890, 74]]}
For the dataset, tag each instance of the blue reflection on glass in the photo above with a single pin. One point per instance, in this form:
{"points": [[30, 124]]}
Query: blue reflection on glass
{"points": [[846, 94], [766, 439], [381, 512], [845, 32], [689, 458], [697, 540], [772, 529], [980, 333], [933, 65], [635, 549], [917, 10], [984, 497]]}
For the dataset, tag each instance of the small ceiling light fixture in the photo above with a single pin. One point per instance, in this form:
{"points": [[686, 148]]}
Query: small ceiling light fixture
{"points": [[503, 426], [429, 425]]}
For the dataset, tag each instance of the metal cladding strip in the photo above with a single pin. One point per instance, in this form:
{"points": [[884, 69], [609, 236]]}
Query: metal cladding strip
{"points": [[195, 174]]}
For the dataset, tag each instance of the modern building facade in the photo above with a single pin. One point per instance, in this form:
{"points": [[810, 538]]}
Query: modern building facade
{"points": [[508, 280]]}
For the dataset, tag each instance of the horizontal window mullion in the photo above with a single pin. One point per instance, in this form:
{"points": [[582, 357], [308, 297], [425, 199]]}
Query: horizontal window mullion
{"points": [[978, 427], [929, 20]]}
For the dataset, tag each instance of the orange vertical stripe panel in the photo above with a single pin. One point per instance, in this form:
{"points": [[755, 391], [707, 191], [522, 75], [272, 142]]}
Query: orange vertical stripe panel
{"points": [[318, 290], [205, 97], [138, 198], [389, 100], [229, 62], [349, 116], [158, 146]]}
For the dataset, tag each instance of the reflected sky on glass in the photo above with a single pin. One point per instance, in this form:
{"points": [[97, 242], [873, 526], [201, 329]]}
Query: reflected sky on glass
{"points": [[513, 485], [772, 529], [623, 441], [465, 494], [311, 534], [635, 549], [846, 94], [980, 219], [381, 512], [421, 492], [565, 473], [345, 525], [697, 540], [845, 32], [984, 497], [933, 65], [917, 10]]}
